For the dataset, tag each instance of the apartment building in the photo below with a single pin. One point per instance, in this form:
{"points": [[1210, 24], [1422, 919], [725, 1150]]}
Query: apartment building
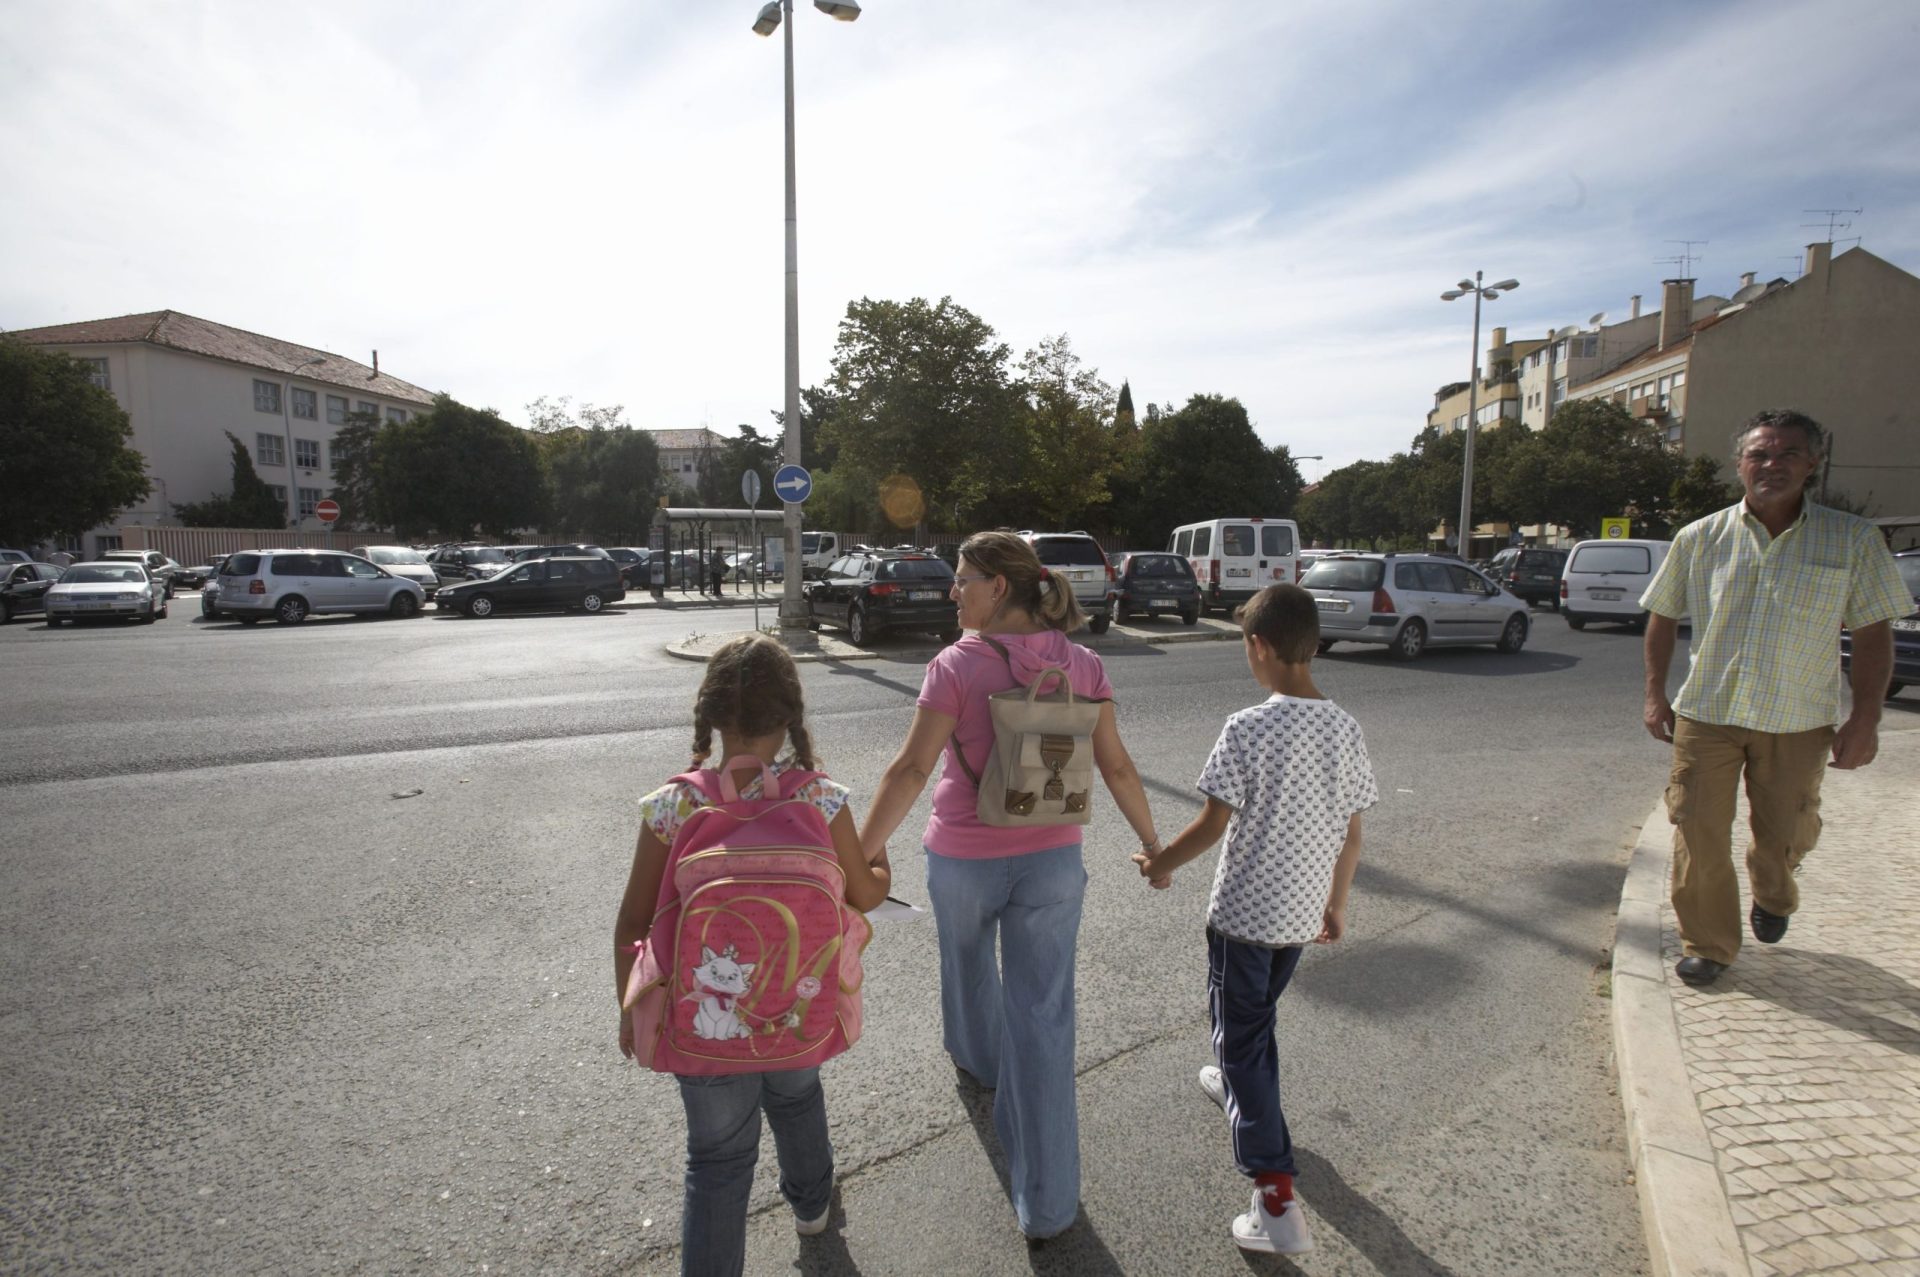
{"points": [[184, 382], [681, 450]]}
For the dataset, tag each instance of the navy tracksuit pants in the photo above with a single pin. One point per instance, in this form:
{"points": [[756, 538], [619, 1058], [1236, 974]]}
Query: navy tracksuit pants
{"points": [[1244, 981]]}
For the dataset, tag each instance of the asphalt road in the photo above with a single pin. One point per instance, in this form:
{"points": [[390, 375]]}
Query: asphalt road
{"points": [[262, 1012]]}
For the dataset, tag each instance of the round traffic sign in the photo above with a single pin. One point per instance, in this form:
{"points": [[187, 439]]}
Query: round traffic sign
{"points": [[326, 510], [792, 484], [750, 487]]}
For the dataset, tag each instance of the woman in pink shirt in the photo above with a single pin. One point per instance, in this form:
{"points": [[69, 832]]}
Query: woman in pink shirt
{"points": [[1008, 1017]]}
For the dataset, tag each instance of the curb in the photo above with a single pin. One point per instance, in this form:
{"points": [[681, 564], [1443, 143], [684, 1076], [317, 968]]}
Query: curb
{"points": [[831, 649], [1683, 1200]]}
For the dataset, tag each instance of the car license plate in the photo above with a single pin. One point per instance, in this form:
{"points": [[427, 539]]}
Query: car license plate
{"points": [[922, 595], [1162, 603], [1239, 571], [1333, 605], [96, 607], [1907, 623], [1604, 596]]}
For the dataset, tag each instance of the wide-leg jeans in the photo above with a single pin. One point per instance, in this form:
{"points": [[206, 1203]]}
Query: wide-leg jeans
{"points": [[1008, 1018], [723, 1143]]}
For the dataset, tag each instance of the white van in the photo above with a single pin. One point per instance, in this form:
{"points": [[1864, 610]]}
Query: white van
{"points": [[1234, 559], [817, 549], [1603, 580]]}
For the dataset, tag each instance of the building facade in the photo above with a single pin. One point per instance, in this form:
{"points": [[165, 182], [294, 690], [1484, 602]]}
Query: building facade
{"points": [[681, 452], [184, 382]]}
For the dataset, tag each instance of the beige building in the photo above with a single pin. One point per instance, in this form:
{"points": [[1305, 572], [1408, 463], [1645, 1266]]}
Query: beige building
{"points": [[681, 450], [184, 381], [1838, 343]]}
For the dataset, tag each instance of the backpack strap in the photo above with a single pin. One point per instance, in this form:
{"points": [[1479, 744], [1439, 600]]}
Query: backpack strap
{"points": [[953, 746]]}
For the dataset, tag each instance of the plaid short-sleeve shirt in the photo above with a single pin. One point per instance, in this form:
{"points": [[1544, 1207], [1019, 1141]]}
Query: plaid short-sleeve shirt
{"points": [[1767, 613]]}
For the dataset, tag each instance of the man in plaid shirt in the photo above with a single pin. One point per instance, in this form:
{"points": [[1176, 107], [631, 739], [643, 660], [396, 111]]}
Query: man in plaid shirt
{"points": [[1768, 582]]}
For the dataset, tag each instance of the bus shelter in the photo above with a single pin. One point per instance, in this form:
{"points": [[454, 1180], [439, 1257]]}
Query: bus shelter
{"points": [[684, 539]]}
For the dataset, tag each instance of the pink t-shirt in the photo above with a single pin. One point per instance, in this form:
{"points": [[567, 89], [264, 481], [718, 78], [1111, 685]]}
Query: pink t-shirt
{"points": [[958, 682]]}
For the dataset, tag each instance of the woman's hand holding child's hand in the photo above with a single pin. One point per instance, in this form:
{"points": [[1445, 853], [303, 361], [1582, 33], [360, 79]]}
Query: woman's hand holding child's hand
{"points": [[1144, 858]]}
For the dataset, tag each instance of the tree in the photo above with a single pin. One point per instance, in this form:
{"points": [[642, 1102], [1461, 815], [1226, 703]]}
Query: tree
{"points": [[66, 460], [1698, 491], [604, 481], [356, 487], [1593, 460], [249, 504], [1202, 461], [454, 469], [1068, 447]]}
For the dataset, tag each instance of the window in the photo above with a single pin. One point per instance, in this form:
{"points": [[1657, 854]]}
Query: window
{"points": [[279, 491], [336, 410], [304, 403], [368, 407], [1560, 390], [1275, 539], [1202, 542], [360, 567], [1589, 347], [266, 396], [267, 449], [98, 372], [306, 453], [1466, 580], [1611, 558], [1236, 540], [1183, 544], [104, 544], [396, 414], [309, 498]]}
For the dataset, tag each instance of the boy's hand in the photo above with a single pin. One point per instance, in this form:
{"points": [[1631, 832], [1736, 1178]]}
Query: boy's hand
{"points": [[1158, 881], [1333, 925]]}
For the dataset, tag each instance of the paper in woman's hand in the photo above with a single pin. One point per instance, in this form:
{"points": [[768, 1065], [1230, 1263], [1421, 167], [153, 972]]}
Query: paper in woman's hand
{"points": [[892, 910]]}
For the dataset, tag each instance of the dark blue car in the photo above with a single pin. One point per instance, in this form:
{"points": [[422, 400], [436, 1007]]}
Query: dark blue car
{"points": [[1906, 630]]}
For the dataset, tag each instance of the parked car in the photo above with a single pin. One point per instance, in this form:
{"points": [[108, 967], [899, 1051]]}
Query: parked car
{"points": [[402, 561], [1529, 573], [1234, 559], [1410, 602], [24, 586], [633, 565], [1154, 582], [1080, 559], [468, 562], [120, 588], [1906, 630], [574, 550], [1603, 581], [157, 564], [15, 556], [291, 585], [583, 582], [872, 591]]}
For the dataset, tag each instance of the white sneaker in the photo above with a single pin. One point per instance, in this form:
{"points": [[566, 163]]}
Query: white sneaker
{"points": [[1282, 1234], [1214, 1084], [812, 1227]]}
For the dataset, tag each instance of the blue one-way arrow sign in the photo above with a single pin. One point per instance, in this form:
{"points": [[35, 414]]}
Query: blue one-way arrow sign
{"points": [[792, 483]]}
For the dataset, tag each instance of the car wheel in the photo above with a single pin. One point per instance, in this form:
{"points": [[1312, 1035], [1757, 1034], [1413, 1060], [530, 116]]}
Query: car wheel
{"points": [[6, 613], [248, 620], [1099, 624], [813, 625], [292, 610], [153, 614], [403, 606], [857, 632], [164, 609], [1638, 624], [1326, 645], [591, 601], [1121, 613], [1893, 689], [1576, 622], [53, 622], [1410, 641], [1553, 602], [1514, 637], [480, 605], [1190, 618]]}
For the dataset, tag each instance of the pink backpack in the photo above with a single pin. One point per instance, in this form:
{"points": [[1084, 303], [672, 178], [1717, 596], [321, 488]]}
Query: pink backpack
{"points": [[753, 959]]}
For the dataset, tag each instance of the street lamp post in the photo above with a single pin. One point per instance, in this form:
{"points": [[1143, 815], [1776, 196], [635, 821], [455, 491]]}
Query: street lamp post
{"points": [[777, 13], [286, 421], [1492, 293]]}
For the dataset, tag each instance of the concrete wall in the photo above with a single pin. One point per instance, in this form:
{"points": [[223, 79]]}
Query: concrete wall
{"points": [[1839, 345]]}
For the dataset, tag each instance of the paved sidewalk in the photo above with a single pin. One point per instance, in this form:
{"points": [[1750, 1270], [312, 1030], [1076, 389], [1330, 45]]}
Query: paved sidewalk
{"points": [[1774, 1116]]}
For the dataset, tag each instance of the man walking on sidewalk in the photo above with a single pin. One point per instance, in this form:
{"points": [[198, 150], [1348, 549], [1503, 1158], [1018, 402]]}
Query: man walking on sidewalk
{"points": [[1768, 583]]}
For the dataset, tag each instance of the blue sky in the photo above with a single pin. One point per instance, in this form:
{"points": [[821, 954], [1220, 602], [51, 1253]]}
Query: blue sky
{"points": [[584, 198]]}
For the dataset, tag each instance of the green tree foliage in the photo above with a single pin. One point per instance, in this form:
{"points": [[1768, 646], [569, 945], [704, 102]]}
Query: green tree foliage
{"points": [[604, 481], [356, 486], [249, 504], [921, 390], [1069, 447], [1203, 461], [453, 470], [1593, 460], [66, 460], [748, 450], [1698, 491]]}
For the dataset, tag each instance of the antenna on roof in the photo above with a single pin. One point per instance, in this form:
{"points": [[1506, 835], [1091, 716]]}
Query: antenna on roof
{"points": [[1799, 261], [1834, 224], [1685, 258]]}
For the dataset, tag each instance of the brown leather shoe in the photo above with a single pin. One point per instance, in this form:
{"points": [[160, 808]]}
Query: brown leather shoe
{"points": [[1698, 971]]}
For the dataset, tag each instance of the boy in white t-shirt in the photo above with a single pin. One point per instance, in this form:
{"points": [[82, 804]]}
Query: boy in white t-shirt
{"points": [[1285, 784]]}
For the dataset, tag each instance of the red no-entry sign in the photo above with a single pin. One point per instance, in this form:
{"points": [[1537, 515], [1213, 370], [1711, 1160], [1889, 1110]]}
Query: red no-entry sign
{"points": [[327, 510]]}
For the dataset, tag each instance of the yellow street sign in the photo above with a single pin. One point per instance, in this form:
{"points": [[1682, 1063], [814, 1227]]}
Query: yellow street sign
{"points": [[1614, 529]]}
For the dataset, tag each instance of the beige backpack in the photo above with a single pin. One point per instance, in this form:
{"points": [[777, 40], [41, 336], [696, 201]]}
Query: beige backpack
{"points": [[1040, 770]]}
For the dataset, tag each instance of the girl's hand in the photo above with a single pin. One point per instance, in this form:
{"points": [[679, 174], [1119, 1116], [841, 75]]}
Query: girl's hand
{"points": [[626, 1034]]}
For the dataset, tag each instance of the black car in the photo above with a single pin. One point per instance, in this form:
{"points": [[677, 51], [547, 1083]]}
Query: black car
{"points": [[23, 588], [584, 583], [870, 591], [470, 562], [1906, 630], [633, 565], [1153, 583], [1530, 574]]}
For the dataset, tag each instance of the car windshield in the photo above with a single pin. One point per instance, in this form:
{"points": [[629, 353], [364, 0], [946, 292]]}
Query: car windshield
{"points": [[1610, 558], [484, 554], [914, 570], [1072, 551], [1343, 574], [1158, 565], [102, 574], [1543, 559], [390, 558]]}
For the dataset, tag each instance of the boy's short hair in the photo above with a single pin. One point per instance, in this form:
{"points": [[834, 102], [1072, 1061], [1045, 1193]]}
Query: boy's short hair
{"points": [[1286, 618]]}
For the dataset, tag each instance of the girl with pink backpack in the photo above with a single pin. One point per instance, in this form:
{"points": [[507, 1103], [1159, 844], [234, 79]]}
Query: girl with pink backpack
{"points": [[737, 948]]}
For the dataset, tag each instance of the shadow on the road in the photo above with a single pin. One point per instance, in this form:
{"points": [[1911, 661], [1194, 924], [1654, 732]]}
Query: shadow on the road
{"points": [[1366, 1227], [1474, 662], [1391, 979], [535, 615], [1078, 1249], [848, 669], [1840, 989]]}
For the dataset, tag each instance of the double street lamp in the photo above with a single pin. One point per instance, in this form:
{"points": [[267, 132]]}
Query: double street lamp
{"points": [[774, 14], [1490, 292]]}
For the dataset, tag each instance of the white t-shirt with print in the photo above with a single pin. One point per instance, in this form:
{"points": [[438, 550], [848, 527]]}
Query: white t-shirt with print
{"points": [[1294, 771], [667, 808]]}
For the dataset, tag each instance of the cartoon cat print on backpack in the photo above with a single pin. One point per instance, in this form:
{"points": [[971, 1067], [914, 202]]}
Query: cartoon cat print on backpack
{"points": [[718, 982]]}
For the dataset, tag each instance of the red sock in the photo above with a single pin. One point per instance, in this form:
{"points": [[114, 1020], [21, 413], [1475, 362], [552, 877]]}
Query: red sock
{"points": [[1276, 1190]]}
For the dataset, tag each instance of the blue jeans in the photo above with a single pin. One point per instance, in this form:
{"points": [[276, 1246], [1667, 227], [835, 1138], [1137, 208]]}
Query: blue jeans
{"points": [[1243, 983], [723, 1142], [1008, 1020]]}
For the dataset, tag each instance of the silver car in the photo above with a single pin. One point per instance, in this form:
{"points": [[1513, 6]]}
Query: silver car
{"points": [[402, 561], [1079, 558], [120, 588], [291, 585], [1410, 602]]}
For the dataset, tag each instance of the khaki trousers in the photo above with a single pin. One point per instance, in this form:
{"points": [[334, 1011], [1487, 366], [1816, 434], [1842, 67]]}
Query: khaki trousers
{"points": [[1783, 773]]}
